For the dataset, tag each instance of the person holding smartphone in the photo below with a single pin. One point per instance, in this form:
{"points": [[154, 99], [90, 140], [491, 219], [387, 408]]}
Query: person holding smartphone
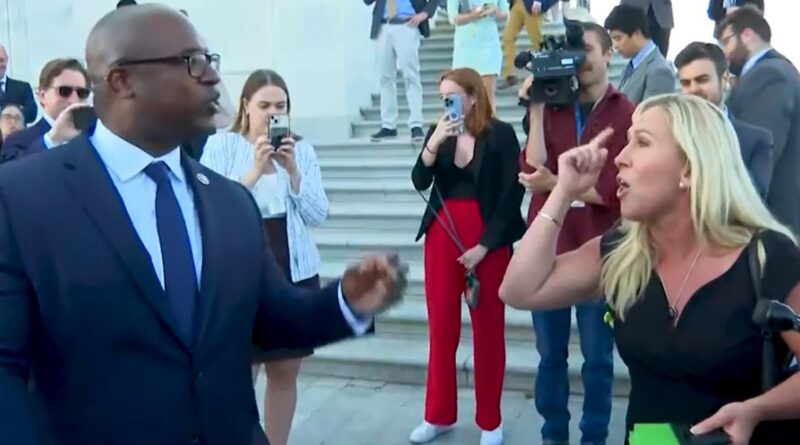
{"points": [[286, 182], [477, 41], [63, 88], [473, 218]]}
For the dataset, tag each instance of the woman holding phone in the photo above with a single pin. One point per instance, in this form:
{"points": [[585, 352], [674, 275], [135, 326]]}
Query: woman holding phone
{"points": [[477, 41], [472, 219], [287, 186]]}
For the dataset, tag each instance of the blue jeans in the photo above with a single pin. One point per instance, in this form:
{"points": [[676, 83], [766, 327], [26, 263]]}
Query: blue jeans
{"points": [[552, 330]]}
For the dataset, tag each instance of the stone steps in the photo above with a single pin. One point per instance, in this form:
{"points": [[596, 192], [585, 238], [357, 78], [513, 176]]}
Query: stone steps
{"points": [[373, 206], [401, 360]]}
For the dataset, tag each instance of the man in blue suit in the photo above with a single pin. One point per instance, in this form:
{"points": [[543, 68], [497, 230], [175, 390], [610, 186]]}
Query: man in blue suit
{"points": [[63, 86], [133, 281]]}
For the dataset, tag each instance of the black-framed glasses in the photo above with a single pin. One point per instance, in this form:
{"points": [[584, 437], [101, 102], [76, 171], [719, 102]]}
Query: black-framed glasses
{"points": [[197, 64], [65, 91], [724, 40]]}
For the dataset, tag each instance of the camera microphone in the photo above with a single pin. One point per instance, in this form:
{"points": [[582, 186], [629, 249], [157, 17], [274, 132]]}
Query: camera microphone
{"points": [[775, 316], [522, 60]]}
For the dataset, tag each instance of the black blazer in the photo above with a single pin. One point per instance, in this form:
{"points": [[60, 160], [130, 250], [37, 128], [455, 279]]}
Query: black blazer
{"points": [[20, 93], [497, 184], [428, 6], [81, 309], [756, 145], [25, 142]]}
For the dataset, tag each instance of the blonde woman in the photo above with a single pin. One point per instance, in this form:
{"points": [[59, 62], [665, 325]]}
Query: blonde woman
{"points": [[286, 184], [675, 272]]}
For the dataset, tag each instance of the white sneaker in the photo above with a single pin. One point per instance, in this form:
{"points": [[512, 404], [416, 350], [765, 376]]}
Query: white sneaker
{"points": [[426, 432], [494, 437]]}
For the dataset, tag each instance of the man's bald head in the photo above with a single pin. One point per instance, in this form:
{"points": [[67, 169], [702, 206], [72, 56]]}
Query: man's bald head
{"points": [[152, 74], [130, 33]]}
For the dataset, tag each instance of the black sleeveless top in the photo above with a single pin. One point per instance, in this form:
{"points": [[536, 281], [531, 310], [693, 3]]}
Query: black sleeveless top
{"points": [[712, 357]]}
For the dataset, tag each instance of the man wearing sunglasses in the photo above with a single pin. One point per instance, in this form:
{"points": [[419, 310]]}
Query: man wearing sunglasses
{"points": [[63, 87]]}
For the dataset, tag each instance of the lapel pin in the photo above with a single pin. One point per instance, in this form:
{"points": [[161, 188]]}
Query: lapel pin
{"points": [[202, 179]]}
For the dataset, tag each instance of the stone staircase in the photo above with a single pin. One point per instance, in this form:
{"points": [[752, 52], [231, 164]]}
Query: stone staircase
{"points": [[373, 207]]}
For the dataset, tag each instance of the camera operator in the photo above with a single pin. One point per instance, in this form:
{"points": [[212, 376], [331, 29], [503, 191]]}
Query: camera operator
{"points": [[551, 131]]}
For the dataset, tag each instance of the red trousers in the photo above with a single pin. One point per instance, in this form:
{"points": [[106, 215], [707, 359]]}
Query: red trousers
{"points": [[444, 284]]}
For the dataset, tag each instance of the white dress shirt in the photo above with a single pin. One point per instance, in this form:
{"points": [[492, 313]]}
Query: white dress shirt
{"points": [[125, 164]]}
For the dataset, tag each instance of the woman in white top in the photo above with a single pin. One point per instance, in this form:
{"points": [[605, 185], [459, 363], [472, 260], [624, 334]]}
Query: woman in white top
{"points": [[287, 186]]}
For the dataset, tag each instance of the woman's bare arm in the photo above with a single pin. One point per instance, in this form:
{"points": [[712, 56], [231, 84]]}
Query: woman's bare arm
{"points": [[537, 278]]}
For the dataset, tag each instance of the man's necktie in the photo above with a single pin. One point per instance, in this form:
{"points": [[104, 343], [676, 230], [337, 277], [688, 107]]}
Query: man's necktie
{"points": [[628, 71], [180, 279], [391, 8], [2, 91]]}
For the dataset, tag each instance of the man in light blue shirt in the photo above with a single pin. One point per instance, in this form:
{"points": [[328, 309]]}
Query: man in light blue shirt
{"points": [[398, 27], [647, 73], [133, 281]]}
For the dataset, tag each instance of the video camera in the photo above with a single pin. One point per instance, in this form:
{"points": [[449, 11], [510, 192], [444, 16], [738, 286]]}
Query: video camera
{"points": [[555, 66]]}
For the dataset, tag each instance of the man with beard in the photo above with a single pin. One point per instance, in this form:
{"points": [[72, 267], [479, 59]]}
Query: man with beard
{"points": [[702, 71], [767, 94]]}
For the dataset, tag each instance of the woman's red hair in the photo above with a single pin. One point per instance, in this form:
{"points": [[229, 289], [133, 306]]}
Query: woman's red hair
{"points": [[478, 120]]}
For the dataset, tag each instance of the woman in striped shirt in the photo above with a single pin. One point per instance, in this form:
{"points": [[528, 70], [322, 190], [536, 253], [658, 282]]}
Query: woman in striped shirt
{"points": [[287, 186]]}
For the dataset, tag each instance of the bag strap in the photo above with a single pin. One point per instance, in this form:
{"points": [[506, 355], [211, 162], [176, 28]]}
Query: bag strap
{"points": [[449, 227], [769, 368]]}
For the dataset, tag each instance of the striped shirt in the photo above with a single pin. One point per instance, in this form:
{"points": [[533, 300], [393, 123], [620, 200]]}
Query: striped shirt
{"points": [[231, 155]]}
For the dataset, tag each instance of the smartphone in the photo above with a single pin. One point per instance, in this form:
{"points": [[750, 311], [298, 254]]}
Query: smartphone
{"points": [[83, 118], [454, 110], [278, 129], [685, 437]]}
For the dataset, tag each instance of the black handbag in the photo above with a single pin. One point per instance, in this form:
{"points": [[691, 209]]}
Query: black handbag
{"points": [[775, 363], [472, 286], [775, 368]]}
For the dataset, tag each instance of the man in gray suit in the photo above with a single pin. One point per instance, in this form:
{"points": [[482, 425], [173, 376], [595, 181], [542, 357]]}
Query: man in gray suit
{"points": [[647, 73], [398, 27], [767, 94], [660, 19], [702, 71]]}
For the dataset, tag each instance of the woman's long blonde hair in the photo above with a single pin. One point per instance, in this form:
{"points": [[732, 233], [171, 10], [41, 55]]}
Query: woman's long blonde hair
{"points": [[726, 209]]}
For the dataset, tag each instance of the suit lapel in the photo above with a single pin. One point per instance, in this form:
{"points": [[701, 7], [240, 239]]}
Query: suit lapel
{"points": [[91, 185], [213, 243]]}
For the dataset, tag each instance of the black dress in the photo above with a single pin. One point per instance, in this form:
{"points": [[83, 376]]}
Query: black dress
{"points": [[712, 357]]}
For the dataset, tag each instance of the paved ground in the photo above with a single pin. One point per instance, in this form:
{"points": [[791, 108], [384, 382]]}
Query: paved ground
{"points": [[347, 412]]}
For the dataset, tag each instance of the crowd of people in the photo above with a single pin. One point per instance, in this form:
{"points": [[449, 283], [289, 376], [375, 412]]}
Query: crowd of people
{"points": [[654, 210], [646, 203]]}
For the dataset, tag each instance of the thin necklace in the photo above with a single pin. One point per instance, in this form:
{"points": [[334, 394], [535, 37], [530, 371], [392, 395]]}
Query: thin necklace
{"points": [[673, 307]]}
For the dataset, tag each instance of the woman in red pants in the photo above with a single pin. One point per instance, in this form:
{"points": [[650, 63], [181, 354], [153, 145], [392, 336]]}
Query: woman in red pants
{"points": [[472, 221]]}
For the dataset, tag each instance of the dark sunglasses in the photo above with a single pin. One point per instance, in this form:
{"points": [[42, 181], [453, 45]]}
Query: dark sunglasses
{"points": [[197, 64], [66, 91]]}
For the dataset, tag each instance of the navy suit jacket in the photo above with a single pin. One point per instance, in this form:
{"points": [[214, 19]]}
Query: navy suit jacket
{"points": [[20, 93], [756, 145], [83, 313], [25, 142]]}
